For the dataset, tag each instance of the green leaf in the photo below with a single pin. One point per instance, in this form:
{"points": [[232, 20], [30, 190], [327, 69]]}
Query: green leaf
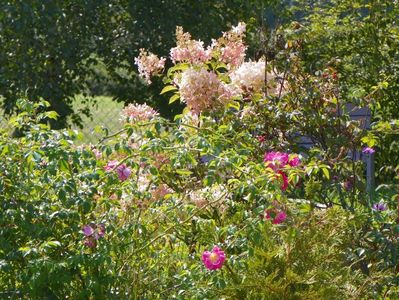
{"points": [[174, 98], [326, 172], [184, 172], [168, 88], [51, 244]]}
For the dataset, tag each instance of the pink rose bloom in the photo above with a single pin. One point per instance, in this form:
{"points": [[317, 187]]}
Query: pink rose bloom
{"points": [[294, 162], [276, 216], [284, 178], [213, 260], [88, 230], [92, 233], [280, 217], [276, 160], [111, 165], [123, 172]]}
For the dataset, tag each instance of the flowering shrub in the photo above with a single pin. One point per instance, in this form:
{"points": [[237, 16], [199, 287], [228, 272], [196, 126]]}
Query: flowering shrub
{"points": [[213, 260], [135, 215]]}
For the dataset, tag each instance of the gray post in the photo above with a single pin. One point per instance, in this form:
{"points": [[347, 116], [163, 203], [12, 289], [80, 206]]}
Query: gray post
{"points": [[369, 158]]}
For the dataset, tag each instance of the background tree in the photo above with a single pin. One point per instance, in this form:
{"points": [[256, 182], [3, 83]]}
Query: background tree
{"points": [[57, 49]]}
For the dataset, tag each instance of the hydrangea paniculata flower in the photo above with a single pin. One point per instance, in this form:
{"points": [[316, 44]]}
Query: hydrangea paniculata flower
{"points": [[188, 50], [381, 206], [249, 77], [230, 47], [149, 64], [214, 259], [202, 90], [368, 150], [138, 113]]}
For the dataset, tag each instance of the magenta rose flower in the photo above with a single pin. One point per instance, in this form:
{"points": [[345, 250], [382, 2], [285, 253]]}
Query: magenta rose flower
{"points": [[294, 162], [284, 178], [276, 160], [276, 216], [214, 259]]}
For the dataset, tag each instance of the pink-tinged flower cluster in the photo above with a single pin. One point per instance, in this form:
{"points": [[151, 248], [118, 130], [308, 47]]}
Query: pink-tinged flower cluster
{"points": [[230, 48], [188, 50], [149, 64], [249, 77], [138, 112], [92, 233], [214, 259], [275, 215], [202, 90], [233, 53], [122, 170], [277, 161]]}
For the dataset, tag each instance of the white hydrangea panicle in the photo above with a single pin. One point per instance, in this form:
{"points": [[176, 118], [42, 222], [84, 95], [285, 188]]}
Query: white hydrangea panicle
{"points": [[202, 90], [249, 78]]}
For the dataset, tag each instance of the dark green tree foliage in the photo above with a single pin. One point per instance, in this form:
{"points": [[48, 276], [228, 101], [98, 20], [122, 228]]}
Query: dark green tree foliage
{"points": [[56, 49], [360, 40], [46, 46]]}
